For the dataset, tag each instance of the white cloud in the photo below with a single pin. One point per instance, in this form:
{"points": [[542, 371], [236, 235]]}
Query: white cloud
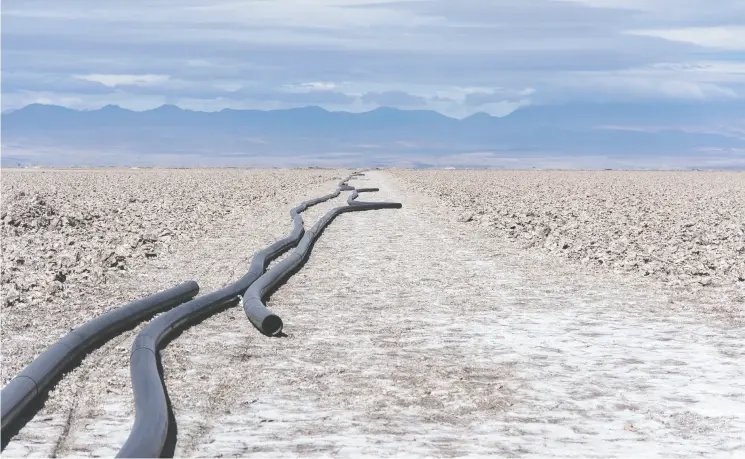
{"points": [[707, 80], [312, 86], [124, 80], [722, 72], [642, 5], [228, 86], [723, 37], [680, 12], [261, 54]]}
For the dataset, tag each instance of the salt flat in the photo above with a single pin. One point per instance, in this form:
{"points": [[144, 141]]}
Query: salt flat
{"points": [[411, 332], [685, 229]]}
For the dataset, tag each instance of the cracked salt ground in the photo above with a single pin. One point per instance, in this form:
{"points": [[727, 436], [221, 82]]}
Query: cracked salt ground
{"points": [[675, 386], [91, 411], [412, 336]]}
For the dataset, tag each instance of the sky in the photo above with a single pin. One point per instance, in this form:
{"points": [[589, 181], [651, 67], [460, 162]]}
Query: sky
{"points": [[456, 57]]}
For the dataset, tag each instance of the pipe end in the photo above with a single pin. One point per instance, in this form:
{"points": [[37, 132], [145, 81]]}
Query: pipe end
{"points": [[272, 325]]}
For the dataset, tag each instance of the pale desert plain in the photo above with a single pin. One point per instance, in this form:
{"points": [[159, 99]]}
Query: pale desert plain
{"points": [[498, 313]]}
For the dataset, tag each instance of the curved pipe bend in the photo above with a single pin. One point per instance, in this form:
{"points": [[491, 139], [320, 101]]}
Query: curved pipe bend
{"points": [[150, 430], [262, 258], [262, 317], [42, 371], [352, 200], [149, 433]]}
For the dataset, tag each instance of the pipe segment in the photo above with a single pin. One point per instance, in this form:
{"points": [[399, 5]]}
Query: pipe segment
{"points": [[253, 299], [31, 382], [352, 199], [150, 430], [260, 316]]}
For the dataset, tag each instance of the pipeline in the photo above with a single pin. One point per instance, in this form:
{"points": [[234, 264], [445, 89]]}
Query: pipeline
{"points": [[148, 436], [263, 319], [150, 430], [352, 199], [253, 300], [31, 382], [262, 258]]}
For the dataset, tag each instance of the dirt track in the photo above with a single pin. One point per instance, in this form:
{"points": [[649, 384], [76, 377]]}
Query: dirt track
{"points": [[412, 334]]}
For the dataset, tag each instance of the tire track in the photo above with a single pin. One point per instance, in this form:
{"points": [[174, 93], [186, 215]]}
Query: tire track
{"points": [[61, 444]]}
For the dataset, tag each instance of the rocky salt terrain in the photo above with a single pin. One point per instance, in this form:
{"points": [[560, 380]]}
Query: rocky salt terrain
{"points": [[67, 234], [389, 350], [685, 230]]}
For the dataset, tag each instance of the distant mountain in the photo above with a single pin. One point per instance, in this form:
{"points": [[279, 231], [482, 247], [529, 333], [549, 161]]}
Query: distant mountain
{"points": [[51, 134], [672, 114]]}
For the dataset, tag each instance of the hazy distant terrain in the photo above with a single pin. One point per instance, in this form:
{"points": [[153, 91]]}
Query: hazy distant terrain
{"points": [[580, 135]]}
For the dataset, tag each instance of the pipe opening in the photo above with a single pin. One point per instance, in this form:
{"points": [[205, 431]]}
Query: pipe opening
{"points": [[272, 325]]}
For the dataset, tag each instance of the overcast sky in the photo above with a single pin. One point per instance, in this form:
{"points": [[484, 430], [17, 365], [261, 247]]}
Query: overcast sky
{"points": [[454, 56]]}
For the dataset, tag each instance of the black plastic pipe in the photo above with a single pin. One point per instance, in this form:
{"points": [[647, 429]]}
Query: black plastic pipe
{"points": [[263, 319], [253, 300], [150, 430], [352, 199], [32, 380], [148, 436]]}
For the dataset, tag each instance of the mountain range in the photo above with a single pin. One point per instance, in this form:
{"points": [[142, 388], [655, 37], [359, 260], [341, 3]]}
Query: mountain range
{"points": [[659, 134]]}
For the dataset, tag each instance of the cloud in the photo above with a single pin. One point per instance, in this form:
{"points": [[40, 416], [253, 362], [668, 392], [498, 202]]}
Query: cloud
{"points": [[496, 95], [394, 99], [674, 12], [303, 98], [124, 80], [313, 86], [455, 57], [705, 80], [31, 81], [726, 37]]}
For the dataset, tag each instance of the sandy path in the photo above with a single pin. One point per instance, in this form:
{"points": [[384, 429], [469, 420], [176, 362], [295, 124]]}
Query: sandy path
{"points": [[410, 334]]}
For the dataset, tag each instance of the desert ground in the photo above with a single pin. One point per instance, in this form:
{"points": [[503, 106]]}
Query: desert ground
{"points": [[511, 313]]}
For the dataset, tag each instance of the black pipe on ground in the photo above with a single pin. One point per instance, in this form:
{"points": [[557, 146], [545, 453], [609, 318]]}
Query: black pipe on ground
{"points": [[253, 300], [32, 381], [352, 199], [150, 430], [148, 436], [263, 319]]}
